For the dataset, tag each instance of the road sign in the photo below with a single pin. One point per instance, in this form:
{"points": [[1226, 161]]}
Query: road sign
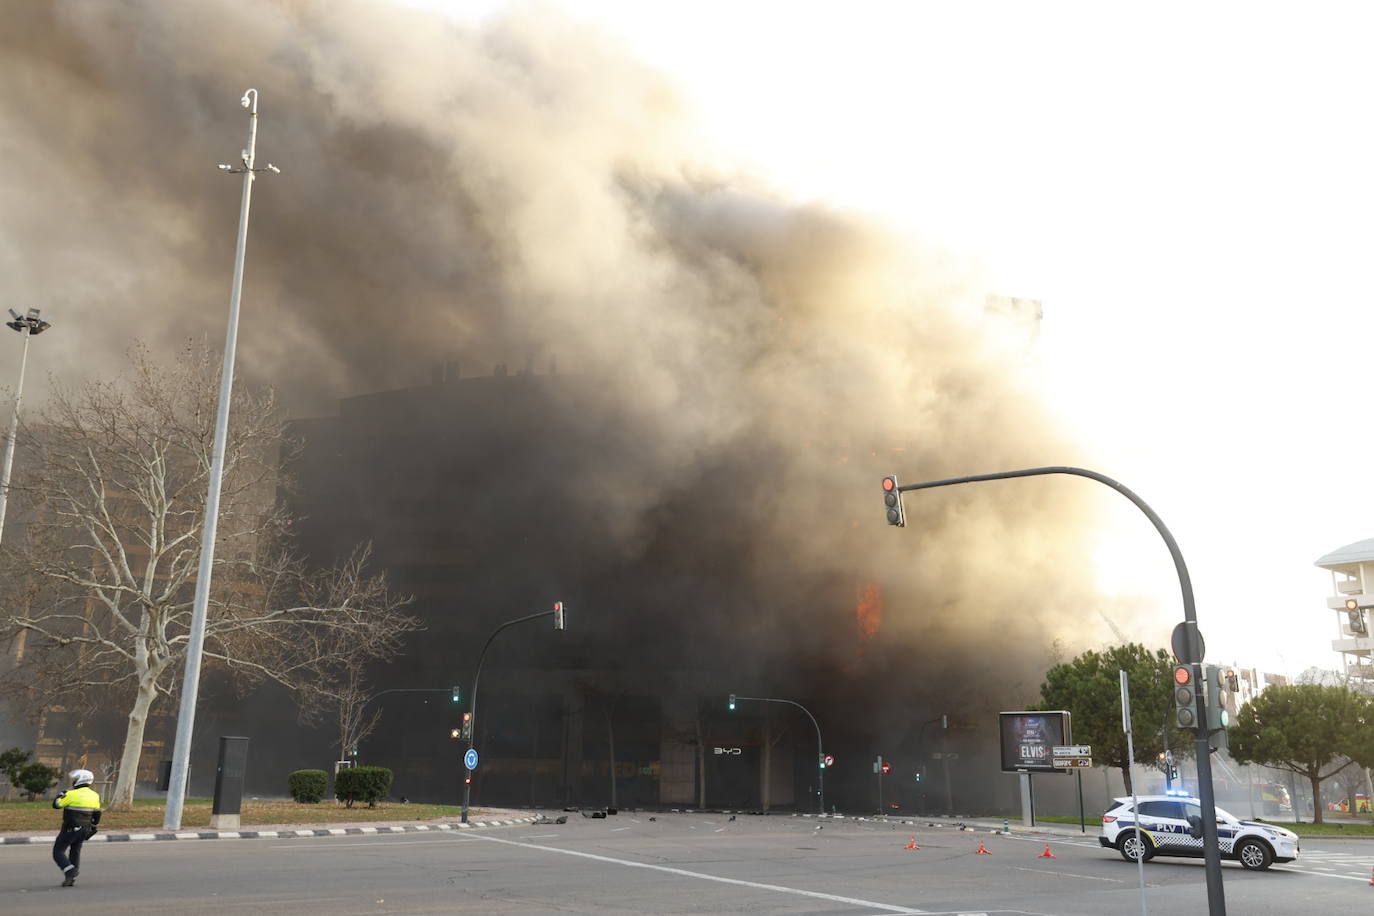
{"points": [[829, 761], [1070, 763], [1072, 750], [470, 759], [1186, 650], [887, 768]]}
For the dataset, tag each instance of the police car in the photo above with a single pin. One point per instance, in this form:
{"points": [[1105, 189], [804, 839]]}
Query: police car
{"points": [[1171, 825]]}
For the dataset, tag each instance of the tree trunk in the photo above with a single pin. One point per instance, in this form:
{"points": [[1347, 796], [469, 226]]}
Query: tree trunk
{"points": [[1316, 796], [1126, 778], [123, 794]]}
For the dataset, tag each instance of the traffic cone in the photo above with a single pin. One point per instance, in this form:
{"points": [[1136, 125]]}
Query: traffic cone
{"points": [[982, 850], [912, 844], [1047, 854]]}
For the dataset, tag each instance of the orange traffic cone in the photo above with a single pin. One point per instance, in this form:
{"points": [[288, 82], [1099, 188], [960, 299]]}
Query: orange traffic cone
{"points": [[982, 850], [912, 844], [1047, 854]]}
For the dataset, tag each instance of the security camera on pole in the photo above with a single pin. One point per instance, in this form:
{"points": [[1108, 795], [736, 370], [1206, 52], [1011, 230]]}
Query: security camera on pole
{"points": [[190, 684]]}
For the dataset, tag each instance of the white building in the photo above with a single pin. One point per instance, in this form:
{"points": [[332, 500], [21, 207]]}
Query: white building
{"points": [[1352, 595]]}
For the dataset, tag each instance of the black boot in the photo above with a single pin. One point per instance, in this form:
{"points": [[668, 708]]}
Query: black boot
{"points": [[70, 879]]}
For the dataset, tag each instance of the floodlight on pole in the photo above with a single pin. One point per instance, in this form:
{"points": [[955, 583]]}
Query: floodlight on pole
{"points": [[27, 325], [190, 684]]}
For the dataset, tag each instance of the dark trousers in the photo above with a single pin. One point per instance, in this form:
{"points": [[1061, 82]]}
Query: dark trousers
{"points": [[69, 838]]}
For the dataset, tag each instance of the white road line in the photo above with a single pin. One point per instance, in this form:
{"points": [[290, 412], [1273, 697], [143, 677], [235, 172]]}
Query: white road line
{"points": [[1066, 874], [538, 836], [835, 898], [337, 845]]}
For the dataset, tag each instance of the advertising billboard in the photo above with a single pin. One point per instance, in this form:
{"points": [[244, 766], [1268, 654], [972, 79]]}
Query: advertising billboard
{"points": [[1029, 738]]}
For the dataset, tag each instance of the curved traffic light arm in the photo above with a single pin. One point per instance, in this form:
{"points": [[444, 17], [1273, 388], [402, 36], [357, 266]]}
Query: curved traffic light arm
{"points": [[1216, 899]]}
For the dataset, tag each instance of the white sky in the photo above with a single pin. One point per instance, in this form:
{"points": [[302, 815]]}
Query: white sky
{"points": [[1188, 189]]}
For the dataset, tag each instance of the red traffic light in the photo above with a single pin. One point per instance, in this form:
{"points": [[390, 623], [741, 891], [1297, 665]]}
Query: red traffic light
{"points": [[1351, 604], [889, 484], [1183, 676]]}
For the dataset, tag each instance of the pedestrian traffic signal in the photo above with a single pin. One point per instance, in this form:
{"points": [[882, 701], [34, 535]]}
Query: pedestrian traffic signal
{"points": [[467, 726], [1218, 696], [1185, 699], [892, 498], [457, 695], [732, 701], [1356, 617], [1232, 682], [559, 623]]}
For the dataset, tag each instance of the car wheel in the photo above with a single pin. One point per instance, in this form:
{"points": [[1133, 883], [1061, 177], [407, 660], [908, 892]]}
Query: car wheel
{"points": [[1133, 846], [1254, 854]]}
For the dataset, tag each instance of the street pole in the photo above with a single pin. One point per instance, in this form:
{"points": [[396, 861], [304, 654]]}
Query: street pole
{"points": [[27, 326], [1216, 894], [190, 683], [559, 621], [820, 747]]}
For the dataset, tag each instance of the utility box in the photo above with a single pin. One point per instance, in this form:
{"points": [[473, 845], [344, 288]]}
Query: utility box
{"points": [[229, 774]]}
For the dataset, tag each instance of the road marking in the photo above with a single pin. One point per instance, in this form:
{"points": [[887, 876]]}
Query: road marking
{"points": [[538, 836], [834, 898], [613, 830], [1067, 874]]}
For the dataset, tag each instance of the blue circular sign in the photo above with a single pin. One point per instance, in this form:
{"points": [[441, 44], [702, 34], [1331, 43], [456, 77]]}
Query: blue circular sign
{"points": [[470, 759]]}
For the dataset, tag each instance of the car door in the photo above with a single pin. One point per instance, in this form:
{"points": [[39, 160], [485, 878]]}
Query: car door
{"points": [[1168, 825]]}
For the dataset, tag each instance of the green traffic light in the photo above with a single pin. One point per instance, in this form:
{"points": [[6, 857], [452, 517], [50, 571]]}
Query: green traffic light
{"points": [[732, 701]]}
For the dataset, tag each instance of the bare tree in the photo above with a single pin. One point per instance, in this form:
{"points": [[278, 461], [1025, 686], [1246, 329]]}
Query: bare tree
{"points": [[114, 501]]}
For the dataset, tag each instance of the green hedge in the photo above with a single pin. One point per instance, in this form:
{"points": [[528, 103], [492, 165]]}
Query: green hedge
{"points": [[307, 786], [369, 784]]}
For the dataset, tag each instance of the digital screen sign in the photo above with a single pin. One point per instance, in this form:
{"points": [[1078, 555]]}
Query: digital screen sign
{"points": [[1029, 738]]}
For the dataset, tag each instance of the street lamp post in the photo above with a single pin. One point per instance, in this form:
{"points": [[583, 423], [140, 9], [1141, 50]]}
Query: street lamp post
{"points": [[559, 623], [943, 719], [190, 684], [1216, 895], [820, 747], [27, 325]]}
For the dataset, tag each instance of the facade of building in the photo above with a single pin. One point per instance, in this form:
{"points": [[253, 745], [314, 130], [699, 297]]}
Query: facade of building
{"points": [[1351, 598]]}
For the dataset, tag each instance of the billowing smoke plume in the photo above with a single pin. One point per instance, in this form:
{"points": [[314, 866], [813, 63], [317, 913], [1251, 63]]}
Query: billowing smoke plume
{"points": [[526, 192]]}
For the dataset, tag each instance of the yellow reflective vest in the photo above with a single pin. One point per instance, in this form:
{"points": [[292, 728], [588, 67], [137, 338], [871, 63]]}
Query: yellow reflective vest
{"points": [[80, 807]]}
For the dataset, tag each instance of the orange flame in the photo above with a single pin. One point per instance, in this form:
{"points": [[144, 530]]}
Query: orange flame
{"points": [[869, 611]]}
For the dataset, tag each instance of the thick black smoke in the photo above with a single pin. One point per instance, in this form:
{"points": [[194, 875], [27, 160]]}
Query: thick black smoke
{"points": [[526, 192]]}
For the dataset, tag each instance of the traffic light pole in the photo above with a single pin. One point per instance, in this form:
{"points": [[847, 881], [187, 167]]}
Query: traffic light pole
{"points": [[1216, 895], [820, 747], [472, 708]]}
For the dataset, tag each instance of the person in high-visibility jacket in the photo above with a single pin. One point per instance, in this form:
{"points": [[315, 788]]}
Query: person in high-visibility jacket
{"points": [[80, 806]]}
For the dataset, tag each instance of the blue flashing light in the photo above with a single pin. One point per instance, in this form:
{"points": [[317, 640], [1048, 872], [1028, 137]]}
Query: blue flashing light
{"points": [[1181, 793]]}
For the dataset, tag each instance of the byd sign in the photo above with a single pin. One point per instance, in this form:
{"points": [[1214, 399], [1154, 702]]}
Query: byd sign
{"points": [[729, 751]]}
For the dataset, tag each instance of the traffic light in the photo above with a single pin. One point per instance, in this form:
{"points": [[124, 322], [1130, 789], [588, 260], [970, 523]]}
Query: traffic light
{"points": [[559, 622], [1356, 616], [1218, 714], [1218, 705], [467, 726], [457, 694], [455, 732], [353, 751], [1232, 682], [1185, 711], [892, 498], [920, 774], [732, 701]]}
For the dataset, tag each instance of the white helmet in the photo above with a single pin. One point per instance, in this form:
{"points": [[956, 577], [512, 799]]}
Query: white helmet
{"points": [[81, 778]]}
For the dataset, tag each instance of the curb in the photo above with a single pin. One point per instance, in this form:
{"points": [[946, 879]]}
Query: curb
{"points": [[267, 834]]}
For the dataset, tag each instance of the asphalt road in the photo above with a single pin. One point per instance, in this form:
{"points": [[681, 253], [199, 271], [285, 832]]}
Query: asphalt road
{"points": [[676, 863]]}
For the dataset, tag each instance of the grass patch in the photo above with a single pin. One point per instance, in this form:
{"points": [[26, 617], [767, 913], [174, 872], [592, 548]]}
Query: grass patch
{"points": [[147, 813]]}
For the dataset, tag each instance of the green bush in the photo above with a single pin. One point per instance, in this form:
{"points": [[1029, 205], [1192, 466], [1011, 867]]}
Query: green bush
{"points": [[37, 778], [369, 784], [307, 786]]}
